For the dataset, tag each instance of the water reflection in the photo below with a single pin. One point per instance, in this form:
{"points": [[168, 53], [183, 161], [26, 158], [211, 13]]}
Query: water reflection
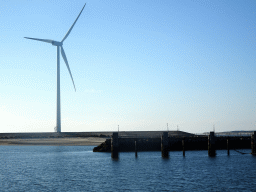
{"points": [[64, 168]]}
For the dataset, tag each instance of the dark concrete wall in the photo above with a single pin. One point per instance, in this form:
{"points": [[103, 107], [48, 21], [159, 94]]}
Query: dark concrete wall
{"points": [[143, 144], [175, 144]]}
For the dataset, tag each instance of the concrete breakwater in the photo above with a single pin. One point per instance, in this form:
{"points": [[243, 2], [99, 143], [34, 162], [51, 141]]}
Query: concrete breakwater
{"points": [[176, 143]]}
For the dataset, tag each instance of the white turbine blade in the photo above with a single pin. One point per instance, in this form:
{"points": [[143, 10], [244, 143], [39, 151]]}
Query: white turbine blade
{"points": [[66, 61], [44, 40], [72, 25]]}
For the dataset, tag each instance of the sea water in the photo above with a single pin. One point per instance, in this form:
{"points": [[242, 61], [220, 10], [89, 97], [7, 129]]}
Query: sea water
{"points": [[77, 168]]}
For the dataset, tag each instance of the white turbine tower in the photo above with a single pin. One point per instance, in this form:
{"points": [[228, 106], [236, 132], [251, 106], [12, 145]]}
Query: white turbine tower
{"points": [[59, 45]]}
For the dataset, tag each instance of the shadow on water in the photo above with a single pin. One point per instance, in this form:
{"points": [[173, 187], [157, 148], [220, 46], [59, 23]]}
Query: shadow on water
{"points": [[115, 158], [222, 153], [166, 158]]}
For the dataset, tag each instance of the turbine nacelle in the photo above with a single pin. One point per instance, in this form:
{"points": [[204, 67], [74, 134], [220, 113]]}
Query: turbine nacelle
{"points": [[56, 43]]}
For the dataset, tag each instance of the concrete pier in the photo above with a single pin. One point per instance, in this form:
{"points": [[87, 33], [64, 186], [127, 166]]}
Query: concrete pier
{"points": [[228, 145], [135, 143], [183, 147], [174, 143], [114, 145], [211, 145], [253, 143], [164, 145]]}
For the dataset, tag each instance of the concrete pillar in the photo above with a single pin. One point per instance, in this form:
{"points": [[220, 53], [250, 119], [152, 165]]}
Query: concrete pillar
{"points": [[114, 145], [211, 145], [164, 145], [135, 143], [228, 145], [183, 147], [253, 143]]}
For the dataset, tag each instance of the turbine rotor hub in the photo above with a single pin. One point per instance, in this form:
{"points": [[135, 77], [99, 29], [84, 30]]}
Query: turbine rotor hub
{"points": [[56, 43]]}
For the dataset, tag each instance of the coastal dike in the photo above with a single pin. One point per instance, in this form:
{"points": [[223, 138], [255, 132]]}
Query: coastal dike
{"points": [[53, 135], [176, 141]]}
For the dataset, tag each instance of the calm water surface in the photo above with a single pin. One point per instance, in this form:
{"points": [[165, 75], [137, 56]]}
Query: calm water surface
{"points": [[77, 168]]}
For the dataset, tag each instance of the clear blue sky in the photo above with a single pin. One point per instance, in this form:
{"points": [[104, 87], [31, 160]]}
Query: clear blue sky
{"points": [[136, 64]]}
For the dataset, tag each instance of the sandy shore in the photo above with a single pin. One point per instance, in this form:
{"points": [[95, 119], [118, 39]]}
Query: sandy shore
{"points": [[89, 141]]}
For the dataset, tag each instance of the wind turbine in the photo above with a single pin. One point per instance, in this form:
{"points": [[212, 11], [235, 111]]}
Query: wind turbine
{"points": [[59, 46]]}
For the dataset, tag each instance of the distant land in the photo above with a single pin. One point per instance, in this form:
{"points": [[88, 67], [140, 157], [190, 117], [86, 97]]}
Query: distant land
{"points": [[232, 133]]}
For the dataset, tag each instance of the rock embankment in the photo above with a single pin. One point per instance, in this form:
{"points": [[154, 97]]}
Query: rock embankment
{"points": [[103, 147]]}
